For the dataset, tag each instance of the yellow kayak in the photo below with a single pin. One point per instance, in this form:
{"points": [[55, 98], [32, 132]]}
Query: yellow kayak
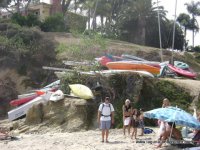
{"points": [[81, 91]]}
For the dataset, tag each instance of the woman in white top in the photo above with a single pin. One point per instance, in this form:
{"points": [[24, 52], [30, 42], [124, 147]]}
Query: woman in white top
{"points": [[162, 124]]}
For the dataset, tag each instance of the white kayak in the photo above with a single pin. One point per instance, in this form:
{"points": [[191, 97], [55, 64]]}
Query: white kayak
{"points": [[56, 96], [54, 84], [23, 109], [142, 73]]}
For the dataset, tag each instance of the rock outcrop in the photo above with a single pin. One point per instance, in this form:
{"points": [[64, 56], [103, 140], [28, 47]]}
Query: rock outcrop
{"points": [[7, 93], [70, 114]]}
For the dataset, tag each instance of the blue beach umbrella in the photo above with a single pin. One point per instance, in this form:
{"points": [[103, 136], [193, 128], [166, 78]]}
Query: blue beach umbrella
{"points": [[173, 114]]}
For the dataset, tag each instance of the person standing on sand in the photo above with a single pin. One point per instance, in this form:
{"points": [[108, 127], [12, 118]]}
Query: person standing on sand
{"points": [[127, 112], [141, 121], [162, 124], [135, 123], [105, 117]]}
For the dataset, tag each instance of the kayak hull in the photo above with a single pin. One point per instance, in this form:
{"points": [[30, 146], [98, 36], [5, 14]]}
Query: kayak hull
{"points": [[133, 66], [182, 72], [81, 91]]}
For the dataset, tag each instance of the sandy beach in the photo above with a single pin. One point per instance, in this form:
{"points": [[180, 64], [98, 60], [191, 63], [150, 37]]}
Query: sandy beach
{"points": [[87, 140]]}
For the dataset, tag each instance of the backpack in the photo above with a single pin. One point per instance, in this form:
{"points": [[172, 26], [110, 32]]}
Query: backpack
{"points": [[102, 110]]}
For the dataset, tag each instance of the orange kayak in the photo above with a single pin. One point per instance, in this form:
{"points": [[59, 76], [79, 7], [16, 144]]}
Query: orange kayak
{"points": [[126, 65]]}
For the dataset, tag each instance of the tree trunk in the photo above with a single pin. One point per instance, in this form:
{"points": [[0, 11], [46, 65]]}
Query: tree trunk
{"points": [[65, 5], [193, 32], [193, 37], [102, 24], [18, 6], [26, 7], [89, 11], [185, 31], [75, 6], [94, 23], [139, 37]]}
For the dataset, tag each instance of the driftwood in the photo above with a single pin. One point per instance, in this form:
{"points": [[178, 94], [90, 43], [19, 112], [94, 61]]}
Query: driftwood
{"points": [[55, 69], [77, 63]]}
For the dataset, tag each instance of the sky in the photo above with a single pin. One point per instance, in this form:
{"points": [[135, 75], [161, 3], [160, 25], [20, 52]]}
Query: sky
{"points": [[169, 5]]}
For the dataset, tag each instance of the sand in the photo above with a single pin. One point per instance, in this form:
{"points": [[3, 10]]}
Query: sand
{"points": [[84, 140]]}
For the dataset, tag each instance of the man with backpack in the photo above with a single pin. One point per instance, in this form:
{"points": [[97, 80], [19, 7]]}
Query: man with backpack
{"points": [[105, 117]]}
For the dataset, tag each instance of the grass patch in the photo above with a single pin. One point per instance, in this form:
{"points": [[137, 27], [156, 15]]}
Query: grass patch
{"points": [[87, 49]]}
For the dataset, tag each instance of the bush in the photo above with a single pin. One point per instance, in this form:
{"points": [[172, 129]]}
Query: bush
{"points": [[55, 23], [18, 19], [26, 50], [197, 49], [30, 20], [76, 22]]}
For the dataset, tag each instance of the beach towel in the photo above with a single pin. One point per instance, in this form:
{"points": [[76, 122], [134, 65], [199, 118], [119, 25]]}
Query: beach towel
{"points": [[127, 121]]}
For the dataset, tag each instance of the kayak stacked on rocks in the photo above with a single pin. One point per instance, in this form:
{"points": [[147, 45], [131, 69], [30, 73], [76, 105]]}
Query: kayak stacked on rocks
{"points": [[129, 62], [131, 65], [178, 69], [26, 101], [134, 63]]}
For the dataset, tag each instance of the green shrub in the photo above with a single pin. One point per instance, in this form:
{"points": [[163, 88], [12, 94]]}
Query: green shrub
{"points": [[177, 96], [18, 19], [30, 20], [197, 49], [54, 23], [76, 22]]}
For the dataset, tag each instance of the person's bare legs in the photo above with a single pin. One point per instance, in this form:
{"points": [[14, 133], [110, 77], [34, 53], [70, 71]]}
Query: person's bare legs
{"points": [[129, 128], [107, 132], [124, 129], [135, 133], [103, 133], [163, 139], [142, 131]]}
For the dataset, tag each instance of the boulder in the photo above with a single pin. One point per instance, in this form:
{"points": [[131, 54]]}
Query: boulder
{"points": [[70, 114]]}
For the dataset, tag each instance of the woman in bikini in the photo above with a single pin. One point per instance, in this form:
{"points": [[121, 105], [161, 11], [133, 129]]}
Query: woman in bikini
{"points": [[127, 111]]}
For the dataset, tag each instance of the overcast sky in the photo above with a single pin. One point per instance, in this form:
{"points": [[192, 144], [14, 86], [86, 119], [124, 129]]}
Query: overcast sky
{"points": [[169, 5]]}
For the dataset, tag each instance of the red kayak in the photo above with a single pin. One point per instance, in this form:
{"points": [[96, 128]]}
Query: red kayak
{"points": [[43, 91], [183, 72], [105, 59], [18, 102]]}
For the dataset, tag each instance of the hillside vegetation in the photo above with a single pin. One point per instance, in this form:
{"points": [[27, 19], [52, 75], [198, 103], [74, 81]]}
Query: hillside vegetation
{"points": [[83, 47], [25, 50]]}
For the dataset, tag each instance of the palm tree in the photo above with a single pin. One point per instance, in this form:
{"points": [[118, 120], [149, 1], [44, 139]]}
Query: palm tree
{"points": [[194, 9], [185, 21], [139, 12]]}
